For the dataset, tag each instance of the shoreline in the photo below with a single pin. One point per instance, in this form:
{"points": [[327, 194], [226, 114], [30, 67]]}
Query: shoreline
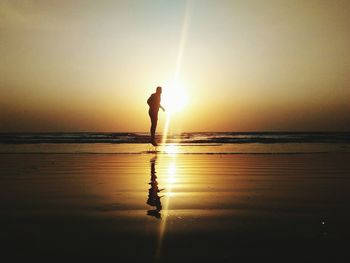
{"points": [[143, 148]]}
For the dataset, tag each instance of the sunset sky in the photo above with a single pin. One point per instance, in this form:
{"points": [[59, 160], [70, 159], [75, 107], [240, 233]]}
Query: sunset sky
{"points": [[243, 65]]}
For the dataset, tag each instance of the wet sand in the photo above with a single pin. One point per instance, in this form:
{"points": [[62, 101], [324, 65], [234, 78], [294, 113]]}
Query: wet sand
{"points": [[214, 208]]}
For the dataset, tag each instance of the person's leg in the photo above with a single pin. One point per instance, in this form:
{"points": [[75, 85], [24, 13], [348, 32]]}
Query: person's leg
{"points": [[154, 121], [153, 130]]}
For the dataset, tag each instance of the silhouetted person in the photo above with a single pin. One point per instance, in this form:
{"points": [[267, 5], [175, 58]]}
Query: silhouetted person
{"points": [[154, 105], [153, 197]]}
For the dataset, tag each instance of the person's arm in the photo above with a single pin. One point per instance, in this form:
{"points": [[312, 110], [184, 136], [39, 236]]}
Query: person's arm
{"points": [[160, 106]]}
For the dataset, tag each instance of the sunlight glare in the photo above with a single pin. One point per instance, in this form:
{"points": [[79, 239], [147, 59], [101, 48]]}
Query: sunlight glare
{"points": [[171, 173], [171, 149], [174, 99]]}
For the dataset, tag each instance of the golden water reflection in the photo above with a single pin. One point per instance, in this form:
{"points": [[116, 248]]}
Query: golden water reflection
{"points": [[153, 197], [171, 149]]}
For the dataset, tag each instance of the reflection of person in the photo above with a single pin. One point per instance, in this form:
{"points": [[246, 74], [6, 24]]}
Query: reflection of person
{"points": [[154, 105], [153, 197]]}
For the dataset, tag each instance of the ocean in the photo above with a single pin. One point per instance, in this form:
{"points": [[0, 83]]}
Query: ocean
{"points": [[190, 143]]}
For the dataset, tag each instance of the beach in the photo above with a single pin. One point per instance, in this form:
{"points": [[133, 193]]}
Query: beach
{"points": [[175, 131], [171, 207]]}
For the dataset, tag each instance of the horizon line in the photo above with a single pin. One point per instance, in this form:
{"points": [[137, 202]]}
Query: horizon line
{"points": [[122, 132]]}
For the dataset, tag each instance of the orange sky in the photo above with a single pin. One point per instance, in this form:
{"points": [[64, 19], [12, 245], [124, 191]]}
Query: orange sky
{"points": [[244, 65]]}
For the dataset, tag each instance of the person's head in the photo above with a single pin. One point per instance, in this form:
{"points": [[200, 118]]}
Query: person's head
{"points": [[159, 90]]}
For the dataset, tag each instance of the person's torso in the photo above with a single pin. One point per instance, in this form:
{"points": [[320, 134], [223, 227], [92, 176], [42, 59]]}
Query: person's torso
{"points": [[154, 102]]}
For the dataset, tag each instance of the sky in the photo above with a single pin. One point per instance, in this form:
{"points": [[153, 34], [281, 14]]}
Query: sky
{"points": [[247, 65]]}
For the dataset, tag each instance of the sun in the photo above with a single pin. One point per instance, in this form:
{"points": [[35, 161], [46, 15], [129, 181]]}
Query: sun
{"points": [[174, 99]]}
